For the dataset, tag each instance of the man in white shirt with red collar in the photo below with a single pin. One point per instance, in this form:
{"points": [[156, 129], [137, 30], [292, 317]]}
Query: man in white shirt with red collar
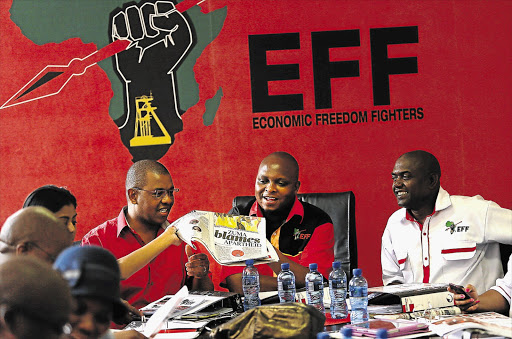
{"points": [[439, 238]]}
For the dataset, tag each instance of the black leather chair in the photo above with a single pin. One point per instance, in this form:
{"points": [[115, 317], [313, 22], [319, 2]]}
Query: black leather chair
{"points": [[341, 208]]}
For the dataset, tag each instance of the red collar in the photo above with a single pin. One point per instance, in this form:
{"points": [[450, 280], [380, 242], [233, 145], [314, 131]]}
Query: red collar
{"points": [[409, 216], [122, 222]]}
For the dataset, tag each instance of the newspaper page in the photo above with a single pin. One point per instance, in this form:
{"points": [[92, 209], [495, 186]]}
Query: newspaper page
{"points": [[189, 303], [410, 289], [491, 322], [230, 239]]}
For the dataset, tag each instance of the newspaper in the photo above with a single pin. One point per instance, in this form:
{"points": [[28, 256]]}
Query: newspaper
{"points": [[189, 303], [409, 289], [425, 315], [491, 322], [412, 297], [230, 239]]}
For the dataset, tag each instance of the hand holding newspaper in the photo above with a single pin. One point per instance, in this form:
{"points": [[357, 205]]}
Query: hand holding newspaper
{"points": [[230, 239]]}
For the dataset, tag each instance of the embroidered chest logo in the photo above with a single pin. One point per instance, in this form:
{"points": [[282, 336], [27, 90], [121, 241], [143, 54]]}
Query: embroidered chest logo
{"points": [[453, 227], [297, 234]]}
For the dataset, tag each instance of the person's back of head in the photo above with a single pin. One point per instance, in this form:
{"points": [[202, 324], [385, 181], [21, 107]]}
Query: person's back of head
{"points": [[34, 231], [93, 275], [35, 301]]}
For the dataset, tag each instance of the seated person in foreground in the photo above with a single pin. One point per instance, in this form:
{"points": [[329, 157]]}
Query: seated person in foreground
{"points": [[36, 301], [92, 273], [300, 232], [142, 228], [34, 231], [437, 237], [497, 299]]}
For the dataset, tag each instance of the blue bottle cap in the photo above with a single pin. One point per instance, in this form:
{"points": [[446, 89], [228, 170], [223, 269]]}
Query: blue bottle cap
{"points": [[313, 266], [382, 333], [322, 335], [249, 262], [346, 332], [285, 266], [357, 272], [336, 264]]}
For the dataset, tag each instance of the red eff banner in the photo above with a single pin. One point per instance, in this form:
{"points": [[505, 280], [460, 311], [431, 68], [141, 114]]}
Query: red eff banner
{"points": [[344, 86]]}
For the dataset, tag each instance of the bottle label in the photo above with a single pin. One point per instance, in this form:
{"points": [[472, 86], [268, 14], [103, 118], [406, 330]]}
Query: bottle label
{"points": [[250, 281], [358, 291], [315, 286], [287, 286], [339, 294], [337, 284]]}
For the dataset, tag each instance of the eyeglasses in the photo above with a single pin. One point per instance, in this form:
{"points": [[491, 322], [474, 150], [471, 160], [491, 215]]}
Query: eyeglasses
{"points": [[160, 193], [50, 257]]}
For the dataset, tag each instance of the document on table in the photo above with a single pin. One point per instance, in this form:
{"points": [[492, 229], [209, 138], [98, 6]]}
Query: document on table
{"points": [[157, 320]]}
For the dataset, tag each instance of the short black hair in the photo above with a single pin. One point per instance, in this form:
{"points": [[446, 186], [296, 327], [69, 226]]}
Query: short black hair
{"points": [[50, 196], [287, 157], [136, 176], [430, 162]]}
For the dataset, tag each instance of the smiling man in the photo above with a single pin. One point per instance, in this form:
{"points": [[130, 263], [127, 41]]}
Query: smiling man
{"points": [[147, 245], [440, 238], [300, 232]]}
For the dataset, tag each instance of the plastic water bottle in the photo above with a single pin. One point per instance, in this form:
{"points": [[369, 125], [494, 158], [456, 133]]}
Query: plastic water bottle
{"points": [[286, 284], [382, 333], [315, 288], [346, 333], [338, 291], [251, 285], [358, 289]]}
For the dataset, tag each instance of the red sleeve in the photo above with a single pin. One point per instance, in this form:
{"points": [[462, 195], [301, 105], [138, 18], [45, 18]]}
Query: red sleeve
{"points": [[320, 249]]}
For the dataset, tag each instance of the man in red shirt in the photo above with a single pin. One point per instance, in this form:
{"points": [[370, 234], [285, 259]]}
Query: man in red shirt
{"points": [[300, 232], [154, 261]]}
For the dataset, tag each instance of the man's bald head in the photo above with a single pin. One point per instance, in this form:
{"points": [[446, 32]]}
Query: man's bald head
{"points": [[136, 176], [35, 300], [285, 161], [425, 160], [35, 231]]}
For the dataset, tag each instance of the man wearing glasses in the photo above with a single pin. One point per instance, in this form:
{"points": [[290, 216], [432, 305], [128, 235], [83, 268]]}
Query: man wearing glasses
{"points": [[34, 231], [155, 259]]}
